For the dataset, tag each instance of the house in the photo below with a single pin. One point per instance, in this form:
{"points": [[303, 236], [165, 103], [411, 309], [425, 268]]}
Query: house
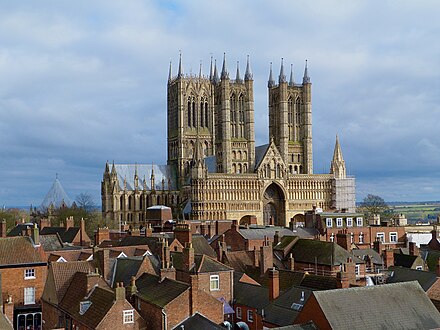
{"points": [[69, 234], [409, 261], [198, 322], [389, 306], [23, 273]]}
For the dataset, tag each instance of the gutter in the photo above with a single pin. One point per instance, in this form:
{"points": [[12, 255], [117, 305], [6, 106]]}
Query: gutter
{"points": [[164, 319]]}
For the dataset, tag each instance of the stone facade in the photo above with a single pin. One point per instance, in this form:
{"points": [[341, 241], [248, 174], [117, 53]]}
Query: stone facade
{"points": [[215, 171]]}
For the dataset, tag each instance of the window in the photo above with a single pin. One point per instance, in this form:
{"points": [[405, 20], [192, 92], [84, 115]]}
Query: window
{"points": [[351, 238], [358, 270], [250, 316], [128, 316], [29, 273], [214, 284], [339, 222], [349, 222], [393, 237], [238, 310], [380, 237], [29, 296], [419, 268], [361, 238], [332, 237], [84, 306], [359, 222], [329, 222]]}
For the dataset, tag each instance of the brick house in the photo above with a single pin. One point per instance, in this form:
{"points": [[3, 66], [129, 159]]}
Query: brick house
{"points": [[69, 233], [23, 273], [389, 306]]}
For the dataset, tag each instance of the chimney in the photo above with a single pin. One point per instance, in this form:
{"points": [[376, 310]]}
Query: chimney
{"points": [[119, 292], [91, 280], [378, 246], [434, 233], [350, 271], [210, 230], [148, 230], [103, 262], [274, 284], [388, 258], [9, 309], [222, 248], [195, 304], [82, 232], [102, 234], [182, 232], [234, 225], [344, 240], [188, 256], [35, 234], [3, 228], [131, 288], [342, 281], [256, 256], [166, 257], [291, 262], [413, 249], [266, 256], [69, 222], [44, 222], [276, 238]]}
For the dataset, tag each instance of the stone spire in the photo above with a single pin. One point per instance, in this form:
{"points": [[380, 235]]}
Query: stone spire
{"points": [[306, 78], [180, 72], [237, 75], [200, 70], [152, 178], [248, 74], [292, 80], [225, 74], [337, 166], [169, 73], [282, 77], [113, 169], [215, 79], [211, 71], [107, 168], [136, 177], [270, 82]]}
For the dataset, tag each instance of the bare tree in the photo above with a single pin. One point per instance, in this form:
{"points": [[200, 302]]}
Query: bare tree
{"points": [[85, 201]]}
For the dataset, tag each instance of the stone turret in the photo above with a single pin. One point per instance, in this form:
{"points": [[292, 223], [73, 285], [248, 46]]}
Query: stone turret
{"points": [[338, 164]]}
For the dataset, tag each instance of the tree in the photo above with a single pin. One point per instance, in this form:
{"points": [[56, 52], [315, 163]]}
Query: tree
{"points": [[373, 204], [85, 201]]}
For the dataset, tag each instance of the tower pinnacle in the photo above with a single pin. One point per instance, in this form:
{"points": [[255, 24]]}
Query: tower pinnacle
{"points": [[237, 75], [215, 78], [248, 74], [338, 164], [270, 82], [292, 80], [180, 72], [282, 76], [169, 73], [306, 78], [224, 74]]}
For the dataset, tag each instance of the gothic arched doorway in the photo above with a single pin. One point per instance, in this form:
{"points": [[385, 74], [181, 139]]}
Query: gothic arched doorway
{"points": [[273, 206]]}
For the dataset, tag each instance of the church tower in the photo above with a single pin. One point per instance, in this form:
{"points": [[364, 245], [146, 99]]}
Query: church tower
{"points": [[290, 120], [190, 110], [234, 109]]}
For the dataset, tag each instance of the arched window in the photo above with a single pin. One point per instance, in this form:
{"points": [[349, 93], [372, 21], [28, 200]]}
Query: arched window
{"points": [[130, 202], [234, 168], [121, 202], [241, 116], [290, 119], [189, 112], [234, 155], [239, 168], [194, 113], [206, 115], [233, 117]]}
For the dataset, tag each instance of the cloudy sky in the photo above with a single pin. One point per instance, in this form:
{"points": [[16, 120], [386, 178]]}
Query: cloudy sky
{"points": [[82, 82]]}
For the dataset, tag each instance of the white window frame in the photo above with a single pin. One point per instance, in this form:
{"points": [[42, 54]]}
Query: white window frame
{"points": [[29, 296], [357, 270], [332, 237], [29, 274], [361, 238], [359, 222], [338, 222], [128, 316], [238, 311], [351, 238], [393, 237], [214, 283], [349, 222], [379, 236], [329, 222], [250, 315]]}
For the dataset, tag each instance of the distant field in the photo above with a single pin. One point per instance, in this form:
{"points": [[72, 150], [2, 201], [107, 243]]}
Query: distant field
{"points": [[418, 212]]}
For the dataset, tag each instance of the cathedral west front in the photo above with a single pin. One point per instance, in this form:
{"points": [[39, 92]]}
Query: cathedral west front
{"points": [[214, 169]]}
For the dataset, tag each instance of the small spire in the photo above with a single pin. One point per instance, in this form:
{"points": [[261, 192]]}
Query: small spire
{"points": [[225, 74], [200, 70], [113, 168], [270, 82], [282, 77], [237, 76], [169, 73], [211, 71], [248, 74], [107, 167], [337, 154], [180, 72], [291, 81], [215, 78], [306, 78], [337, 166]]}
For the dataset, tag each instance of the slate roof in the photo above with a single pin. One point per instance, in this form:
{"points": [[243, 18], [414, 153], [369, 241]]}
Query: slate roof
{"points": [[404, 260], [19, 250], [323, 253], [18, 229], [258, 232], [319, 282], [125, 268], [388, 306], [201, 246], [305, 326], [251, 295], [239, 260], [51, 242], [203, 263], [66, 236], [159, 293], [127, 171], [198, 322], [371, 253], [260, 151], [101, 301], [403, 274]]}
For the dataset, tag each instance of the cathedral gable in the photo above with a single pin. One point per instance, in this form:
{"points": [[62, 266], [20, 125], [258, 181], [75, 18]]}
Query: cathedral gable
{"points": [[271, 165]]}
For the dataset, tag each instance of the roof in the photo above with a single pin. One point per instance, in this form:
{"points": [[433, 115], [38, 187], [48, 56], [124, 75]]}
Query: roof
{"points": [[159, 293], [4, 323], [198, 322], [51, 242], [56, 196], [201, 246], [18, 229], [159, 207], [322, 253], [125, 268], [403, 274], [203, 263], [259, 232], [101, 301], [372, 254], [389, 306], [260, 151], [240, 260], [404, 260], [305, 326], [319, 282], [161, 172], [251, 295], [18, 250]]}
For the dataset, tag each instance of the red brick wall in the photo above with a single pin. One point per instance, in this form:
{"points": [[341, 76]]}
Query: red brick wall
{"points": [[50, 315], [114, 318], [150, 313], [13, 283], [207, 305], [224, 281], [312, 311], [257, 320]]}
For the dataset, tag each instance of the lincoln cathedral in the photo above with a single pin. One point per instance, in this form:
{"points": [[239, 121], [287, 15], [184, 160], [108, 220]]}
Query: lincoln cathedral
{"points": [[214, 169]]}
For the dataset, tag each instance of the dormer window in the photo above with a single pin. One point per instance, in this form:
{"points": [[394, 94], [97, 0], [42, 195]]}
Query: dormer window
{"points": [[128, 316], [339, 222], [84, 306]]}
